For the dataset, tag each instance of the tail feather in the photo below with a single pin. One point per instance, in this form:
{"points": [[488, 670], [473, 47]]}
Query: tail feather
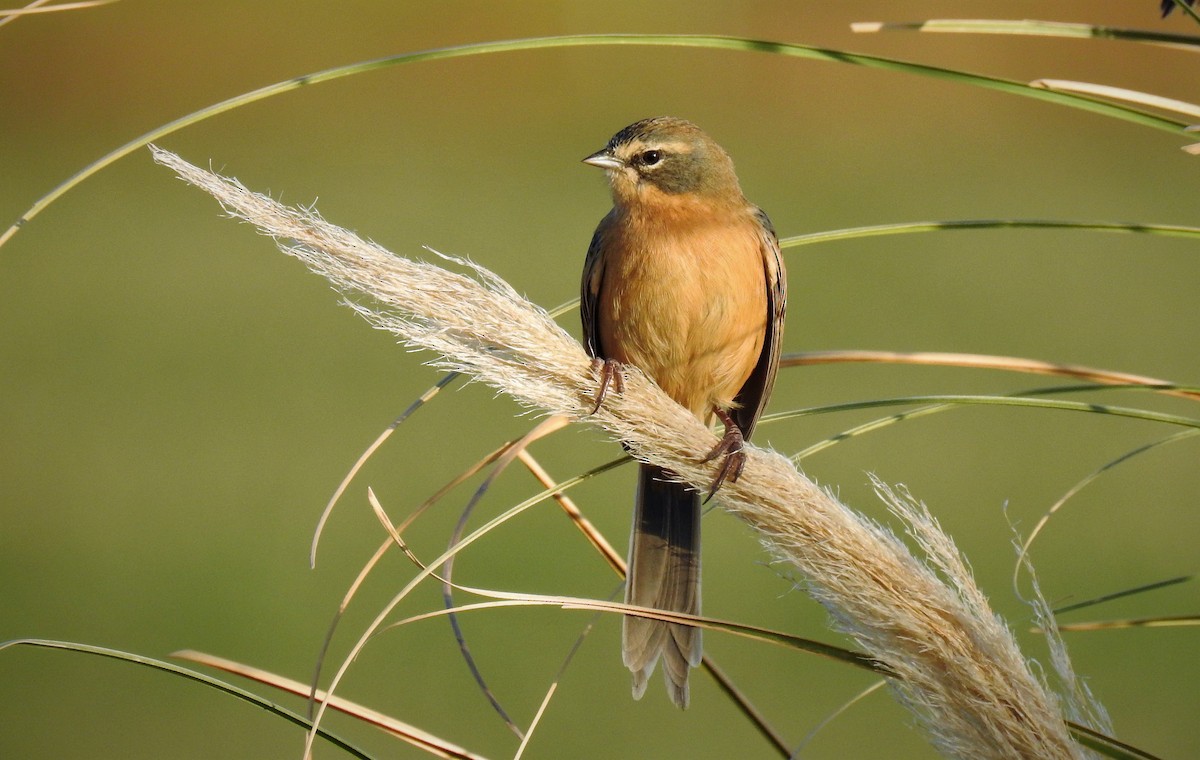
{"points": [[664, 573]]}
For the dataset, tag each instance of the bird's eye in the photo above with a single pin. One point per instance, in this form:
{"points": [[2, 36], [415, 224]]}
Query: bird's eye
{"points": [[650, 157]]}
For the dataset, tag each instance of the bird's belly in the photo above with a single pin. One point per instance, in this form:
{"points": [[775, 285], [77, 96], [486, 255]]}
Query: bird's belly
{"points": [[691, 318]]}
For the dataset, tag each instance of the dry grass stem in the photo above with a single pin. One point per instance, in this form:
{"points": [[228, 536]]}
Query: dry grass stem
{"points": [[985, 361], [431, 744], [958, 667]]}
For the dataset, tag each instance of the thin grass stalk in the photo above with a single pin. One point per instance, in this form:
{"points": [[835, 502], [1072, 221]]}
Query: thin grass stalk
{"points": [[1093, 105], [959, 669]]}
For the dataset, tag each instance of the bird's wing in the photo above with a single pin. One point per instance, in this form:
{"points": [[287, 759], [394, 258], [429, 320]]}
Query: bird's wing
{"points": [[753, 396], [593, 278]]}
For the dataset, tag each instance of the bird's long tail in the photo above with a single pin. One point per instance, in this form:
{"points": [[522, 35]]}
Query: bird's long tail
{"points": [[664, 573]]}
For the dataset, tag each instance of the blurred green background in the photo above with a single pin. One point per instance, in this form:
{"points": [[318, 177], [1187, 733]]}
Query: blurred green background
{"points": [[178, 399]]}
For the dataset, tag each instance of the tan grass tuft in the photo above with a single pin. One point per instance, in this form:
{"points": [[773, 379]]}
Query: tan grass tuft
{"points": [[958, 668]]}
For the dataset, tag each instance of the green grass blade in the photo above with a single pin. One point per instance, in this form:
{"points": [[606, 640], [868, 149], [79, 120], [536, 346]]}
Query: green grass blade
{"points": [[323, 704], [1122, 594], [1044, 520], [1106, 745], [984, 400], [1030, 395], [905, 228], [738, 44], [191, 675], [842, 709]]}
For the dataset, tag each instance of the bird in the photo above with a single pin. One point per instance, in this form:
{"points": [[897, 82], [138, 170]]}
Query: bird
{"points": [[683, 280]]}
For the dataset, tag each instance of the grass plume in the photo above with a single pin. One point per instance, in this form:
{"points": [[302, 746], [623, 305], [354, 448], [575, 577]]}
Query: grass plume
{"points": [[957, 666]]}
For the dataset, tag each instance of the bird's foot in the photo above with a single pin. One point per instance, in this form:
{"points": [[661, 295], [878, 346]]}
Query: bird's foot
{"points": [[611, 376], [729, 450]]}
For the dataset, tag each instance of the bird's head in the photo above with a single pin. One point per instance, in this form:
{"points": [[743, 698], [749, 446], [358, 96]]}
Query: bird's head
{"points": [[666, 156]]}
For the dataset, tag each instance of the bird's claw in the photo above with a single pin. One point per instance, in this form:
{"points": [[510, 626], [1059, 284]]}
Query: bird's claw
{"points": [[611, 376], [729, 449]]}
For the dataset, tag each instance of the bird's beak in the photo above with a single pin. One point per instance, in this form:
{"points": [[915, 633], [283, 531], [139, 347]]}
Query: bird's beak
{"points": [[604, 160]]}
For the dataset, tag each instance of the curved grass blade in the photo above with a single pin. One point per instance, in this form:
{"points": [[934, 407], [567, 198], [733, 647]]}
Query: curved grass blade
{"points": [[857, 430], [1105, 377], [509, 454], [551, 425], [1028, 28], [421, 739], [420, 401], [505, 599], [834, 715], [1107, 745], [1149, 622], [988, 361], [1100, 742], [562, 670], [606, 549], [1122, 94], [1122, 594], [922, 411], [782, 638], [475, 535], [451, 613], [903, 228], [1023, 551], [981, 400], [394, 533], [737, 44], [39, 6], [9, 18], [192, 675], [770, 636], [617, 563]]}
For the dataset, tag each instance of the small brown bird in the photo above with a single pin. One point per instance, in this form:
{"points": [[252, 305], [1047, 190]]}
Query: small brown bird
{"points": [[683, 280]]}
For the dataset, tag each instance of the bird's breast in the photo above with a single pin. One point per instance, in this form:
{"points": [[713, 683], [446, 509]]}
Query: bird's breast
{"points": [[684, 300]]}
